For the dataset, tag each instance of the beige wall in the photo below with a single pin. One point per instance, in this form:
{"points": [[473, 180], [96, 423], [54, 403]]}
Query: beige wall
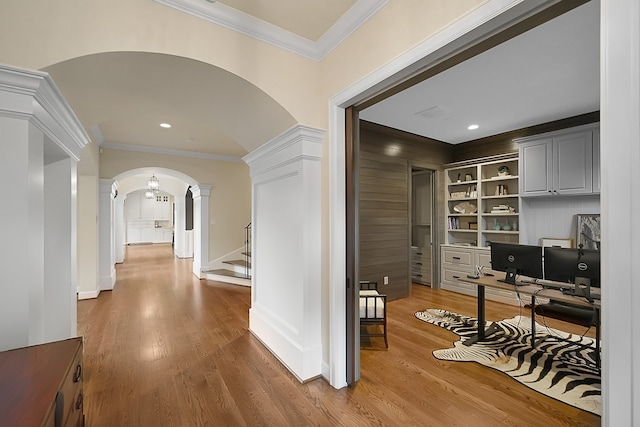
{"points": [[230, 200], [35, 34]]}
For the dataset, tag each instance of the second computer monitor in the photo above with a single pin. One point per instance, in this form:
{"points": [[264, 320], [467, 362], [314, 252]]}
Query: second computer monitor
{"points": [[572, 265], [516, 260]]}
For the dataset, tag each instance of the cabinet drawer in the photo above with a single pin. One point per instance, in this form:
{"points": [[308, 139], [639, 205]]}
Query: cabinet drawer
{"points": [[452, 275], [456, 257], [450, 281], [72, 388]]}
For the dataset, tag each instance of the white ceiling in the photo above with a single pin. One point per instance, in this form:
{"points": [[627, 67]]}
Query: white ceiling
{"points": [[121, 97], [550, 72]]}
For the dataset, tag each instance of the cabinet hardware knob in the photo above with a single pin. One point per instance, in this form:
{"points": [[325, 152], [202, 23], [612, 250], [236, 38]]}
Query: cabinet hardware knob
{"points": [[79, 401], [456, 257], [456, 277], [78, 374]]}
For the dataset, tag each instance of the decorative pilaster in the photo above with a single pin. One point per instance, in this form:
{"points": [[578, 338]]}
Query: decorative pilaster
{"points": [[106, 257], [286, 257], [201, 193]]}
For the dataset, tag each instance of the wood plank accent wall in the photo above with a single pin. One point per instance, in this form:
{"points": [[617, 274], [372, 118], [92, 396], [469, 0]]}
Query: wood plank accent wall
{"points": [[386, 158], [503, 143]]}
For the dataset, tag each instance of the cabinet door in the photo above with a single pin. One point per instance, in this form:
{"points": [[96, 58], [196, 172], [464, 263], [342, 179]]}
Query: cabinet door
{"points": [[596, 161], [148, 234], [147, 208], [572, 163], [134, 234], [534, 169], [132, 207]]}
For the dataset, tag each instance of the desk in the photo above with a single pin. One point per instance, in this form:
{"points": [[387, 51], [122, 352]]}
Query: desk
{"points": [[534, 290]]}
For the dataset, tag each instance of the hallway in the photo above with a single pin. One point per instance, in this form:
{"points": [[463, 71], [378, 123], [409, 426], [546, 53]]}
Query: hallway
{"points": [[166, 349]]}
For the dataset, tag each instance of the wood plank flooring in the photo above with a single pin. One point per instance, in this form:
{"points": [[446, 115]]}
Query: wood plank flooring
{"points": [[166, 349]]}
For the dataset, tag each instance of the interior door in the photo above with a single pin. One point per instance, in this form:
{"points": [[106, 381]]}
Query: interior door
{"points": [[352, 245]]}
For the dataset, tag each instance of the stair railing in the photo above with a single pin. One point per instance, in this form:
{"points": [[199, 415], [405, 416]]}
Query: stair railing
{"points": [[247, 250]]}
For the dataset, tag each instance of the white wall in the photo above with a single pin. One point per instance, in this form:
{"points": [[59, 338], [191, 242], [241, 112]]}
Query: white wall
{"points": [[60, 250], [285, 309], [88, 286], [549, 217]]}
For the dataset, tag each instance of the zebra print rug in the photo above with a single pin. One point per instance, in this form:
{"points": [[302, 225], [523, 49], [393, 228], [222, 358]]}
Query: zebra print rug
{"points": [[558, 369]]}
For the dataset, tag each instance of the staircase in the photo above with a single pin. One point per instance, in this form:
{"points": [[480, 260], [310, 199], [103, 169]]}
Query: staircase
{"points": [[235, 267]]}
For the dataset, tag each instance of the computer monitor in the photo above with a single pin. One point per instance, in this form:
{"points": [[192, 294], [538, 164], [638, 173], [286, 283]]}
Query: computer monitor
{"points": [[515, 259], [572, 265]]}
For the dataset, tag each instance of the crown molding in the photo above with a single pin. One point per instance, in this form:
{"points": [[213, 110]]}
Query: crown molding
{"points": [[258, 29], [33, 96], [169, 152], [295, 144]]}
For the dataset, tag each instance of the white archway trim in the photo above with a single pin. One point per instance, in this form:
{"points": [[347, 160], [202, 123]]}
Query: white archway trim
{"points": [[482, 21], [164, 171]]}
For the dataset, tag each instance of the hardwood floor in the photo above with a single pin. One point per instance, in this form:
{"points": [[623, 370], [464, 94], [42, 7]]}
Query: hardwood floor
{"points": [[166, 349]]}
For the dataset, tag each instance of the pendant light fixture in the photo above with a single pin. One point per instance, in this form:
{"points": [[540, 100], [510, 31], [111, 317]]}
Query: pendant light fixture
{"points": [[154, 184]]}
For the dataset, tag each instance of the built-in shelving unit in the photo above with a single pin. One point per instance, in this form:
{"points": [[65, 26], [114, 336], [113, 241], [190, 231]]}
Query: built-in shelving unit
{"points": [[482, 202]]}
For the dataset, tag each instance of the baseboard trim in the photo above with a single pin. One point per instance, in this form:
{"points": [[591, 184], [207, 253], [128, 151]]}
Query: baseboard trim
{"points": [[88, 294]]}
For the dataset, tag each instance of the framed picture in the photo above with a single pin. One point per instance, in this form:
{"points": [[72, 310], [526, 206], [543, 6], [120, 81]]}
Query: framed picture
{"points": [[588, 231], [473, 226], [555, 242]]}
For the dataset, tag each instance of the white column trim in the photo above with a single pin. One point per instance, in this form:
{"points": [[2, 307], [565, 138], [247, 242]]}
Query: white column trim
{"points": [[286, 249], [620, 178], [201, 193], [106, 263]]}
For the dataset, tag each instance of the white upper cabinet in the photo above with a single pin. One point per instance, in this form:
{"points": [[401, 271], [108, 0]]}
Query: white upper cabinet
{"points": [[132, 206], [162, 207], [138, 207], [596, 161], [559, 163]]}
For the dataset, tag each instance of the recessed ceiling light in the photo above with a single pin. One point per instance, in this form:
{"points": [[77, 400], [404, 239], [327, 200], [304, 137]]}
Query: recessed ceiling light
{"points": [[165, 125], [473, 127]]}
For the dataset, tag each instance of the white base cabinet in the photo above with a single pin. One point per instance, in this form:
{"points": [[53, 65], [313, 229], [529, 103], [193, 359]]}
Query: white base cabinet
{"points": [[458, 262]]}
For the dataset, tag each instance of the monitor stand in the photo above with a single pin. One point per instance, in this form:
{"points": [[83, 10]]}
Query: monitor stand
{"points": [[510, 278], [582, 288]]}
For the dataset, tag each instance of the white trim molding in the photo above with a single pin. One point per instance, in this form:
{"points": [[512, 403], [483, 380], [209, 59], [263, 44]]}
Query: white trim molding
{"points": [[258, 29], [34, 96], [620, 180]]}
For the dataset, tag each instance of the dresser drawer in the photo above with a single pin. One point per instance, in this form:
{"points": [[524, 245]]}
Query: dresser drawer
{"points": [[461, 258], [72, 391], [450, 281]]}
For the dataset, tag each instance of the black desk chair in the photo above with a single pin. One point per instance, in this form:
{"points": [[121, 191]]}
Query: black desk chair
{"points": [[588, 317]]}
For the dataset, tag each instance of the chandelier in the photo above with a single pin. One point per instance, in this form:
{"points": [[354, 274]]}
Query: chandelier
{"points": [[153, 186]]}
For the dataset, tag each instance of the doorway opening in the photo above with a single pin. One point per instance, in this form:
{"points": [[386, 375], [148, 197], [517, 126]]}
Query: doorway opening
{"points": [[423, 227]]}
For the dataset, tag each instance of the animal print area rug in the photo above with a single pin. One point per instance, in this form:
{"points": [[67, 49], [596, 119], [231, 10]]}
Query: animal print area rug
{"points": [[558, 369]]}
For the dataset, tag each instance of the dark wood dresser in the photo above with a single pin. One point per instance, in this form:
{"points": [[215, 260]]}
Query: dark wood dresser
{"points": [[41, 385]]}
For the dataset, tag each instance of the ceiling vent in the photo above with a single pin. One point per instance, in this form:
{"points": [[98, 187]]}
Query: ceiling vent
{"points": [[435, 113]]}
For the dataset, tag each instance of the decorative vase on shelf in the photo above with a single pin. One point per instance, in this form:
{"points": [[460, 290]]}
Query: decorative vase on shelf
{"points": [[514, 225], [496, 225], [506, 227]]}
